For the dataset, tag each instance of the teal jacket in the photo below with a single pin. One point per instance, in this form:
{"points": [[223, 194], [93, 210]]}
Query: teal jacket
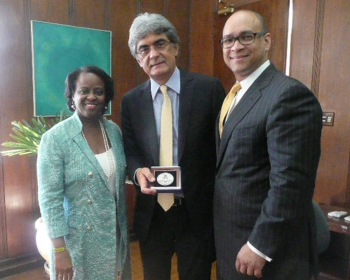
{"points": [[76, 203]]}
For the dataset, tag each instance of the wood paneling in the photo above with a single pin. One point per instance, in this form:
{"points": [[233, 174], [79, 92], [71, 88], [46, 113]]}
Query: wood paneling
{"points": [[334, 97], [50, 11], [220, 69], [16, 105], [202, 36], [181, 20], [303, 41], [91, 14], [320, 59], [124, 67]]}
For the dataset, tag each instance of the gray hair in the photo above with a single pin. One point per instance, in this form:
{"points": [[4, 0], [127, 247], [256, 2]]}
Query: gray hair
{"points": [[147, 23]]}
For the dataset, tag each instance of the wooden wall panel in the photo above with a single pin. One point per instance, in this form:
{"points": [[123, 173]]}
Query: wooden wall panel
{"points": [[50, 11], [220, 69], [15, 86], [3, 243], [320, 59], [303, 40], [152, 6], [333, 185], [202, 36], [180, 19], [4, 51], [90, 14], [276, 15], [124, 67]]}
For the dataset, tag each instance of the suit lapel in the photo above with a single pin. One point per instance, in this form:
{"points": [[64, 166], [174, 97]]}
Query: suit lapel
{"points": [[247, 102], [186, 103], [147, 122]]}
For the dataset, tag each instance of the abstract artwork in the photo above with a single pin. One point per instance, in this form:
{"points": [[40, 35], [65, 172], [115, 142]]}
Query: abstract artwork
{"points": [[57, 50]]}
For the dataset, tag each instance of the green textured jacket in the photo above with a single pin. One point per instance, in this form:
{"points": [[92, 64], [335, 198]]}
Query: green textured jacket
{"points": [[76, 203]]}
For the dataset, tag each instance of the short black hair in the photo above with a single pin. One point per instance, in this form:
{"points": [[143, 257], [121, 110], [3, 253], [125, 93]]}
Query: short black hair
{"points": [[71, 83]]}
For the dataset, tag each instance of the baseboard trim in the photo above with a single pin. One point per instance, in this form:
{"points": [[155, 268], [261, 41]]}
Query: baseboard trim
{"points": [[20, 264]]}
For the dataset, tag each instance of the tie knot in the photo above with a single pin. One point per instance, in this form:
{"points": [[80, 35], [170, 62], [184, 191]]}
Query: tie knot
{"points": [[164, 89], [236, 87]]}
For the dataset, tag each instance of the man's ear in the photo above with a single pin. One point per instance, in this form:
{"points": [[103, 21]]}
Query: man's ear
{"points": [[268, 41], [139, 62]]}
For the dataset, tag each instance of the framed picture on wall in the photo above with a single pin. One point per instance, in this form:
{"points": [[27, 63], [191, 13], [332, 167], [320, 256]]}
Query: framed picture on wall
{"points": [[59, 49]]}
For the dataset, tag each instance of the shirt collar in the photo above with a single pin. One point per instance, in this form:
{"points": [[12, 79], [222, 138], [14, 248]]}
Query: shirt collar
{"points": [[173, 83], [247, 82]]}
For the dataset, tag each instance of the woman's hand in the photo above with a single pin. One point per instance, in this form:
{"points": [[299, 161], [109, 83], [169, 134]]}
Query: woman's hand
{"points": [[63, 266], [63, 261]]}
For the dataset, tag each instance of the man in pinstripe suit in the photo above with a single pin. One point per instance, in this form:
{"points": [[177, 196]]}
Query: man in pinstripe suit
{"points": [[267, 158]]}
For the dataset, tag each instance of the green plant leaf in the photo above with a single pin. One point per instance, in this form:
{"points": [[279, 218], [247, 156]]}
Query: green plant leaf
{"points": [[27, 135]]}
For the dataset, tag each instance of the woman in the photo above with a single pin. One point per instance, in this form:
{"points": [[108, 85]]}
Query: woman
{"points": [[81, 176]]}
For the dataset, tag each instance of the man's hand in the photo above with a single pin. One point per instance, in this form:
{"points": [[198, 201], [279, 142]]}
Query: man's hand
{"points": [[144, 177], [249, 263]]}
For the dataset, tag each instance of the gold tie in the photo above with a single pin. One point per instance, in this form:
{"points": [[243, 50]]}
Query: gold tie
{"points": [[226, 105], [166, 200]]}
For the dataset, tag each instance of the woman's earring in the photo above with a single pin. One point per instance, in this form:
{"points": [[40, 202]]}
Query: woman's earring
{"points": [[73, 105]]}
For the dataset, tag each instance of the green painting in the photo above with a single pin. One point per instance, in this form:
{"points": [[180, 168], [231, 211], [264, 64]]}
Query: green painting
{"points": [[58, 50]]}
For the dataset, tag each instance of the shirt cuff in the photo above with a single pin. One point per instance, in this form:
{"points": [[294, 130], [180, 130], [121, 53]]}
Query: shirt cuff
{"points": [[135, 178], [256, 251]]}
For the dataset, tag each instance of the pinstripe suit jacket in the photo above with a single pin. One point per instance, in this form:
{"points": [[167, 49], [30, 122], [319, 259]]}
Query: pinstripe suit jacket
{"points": [[266, 167]]}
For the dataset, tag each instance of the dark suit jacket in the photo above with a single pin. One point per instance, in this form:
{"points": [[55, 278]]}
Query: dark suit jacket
{"points": [[266, 167], [200, 101]]}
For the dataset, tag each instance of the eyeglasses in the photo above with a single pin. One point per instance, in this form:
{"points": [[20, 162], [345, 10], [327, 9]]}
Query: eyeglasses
{"points": [[244, 39], [159, 46]]}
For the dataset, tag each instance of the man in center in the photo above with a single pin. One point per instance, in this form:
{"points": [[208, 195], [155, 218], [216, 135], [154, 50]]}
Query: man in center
{"points": [[184, 227]]}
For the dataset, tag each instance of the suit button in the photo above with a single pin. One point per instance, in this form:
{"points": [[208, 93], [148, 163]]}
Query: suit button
{"points": [[89, 201], [89, 228], [91, 175]]}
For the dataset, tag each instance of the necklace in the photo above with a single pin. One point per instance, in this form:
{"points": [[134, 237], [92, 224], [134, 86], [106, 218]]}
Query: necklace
{"points": [[108, 152]]}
